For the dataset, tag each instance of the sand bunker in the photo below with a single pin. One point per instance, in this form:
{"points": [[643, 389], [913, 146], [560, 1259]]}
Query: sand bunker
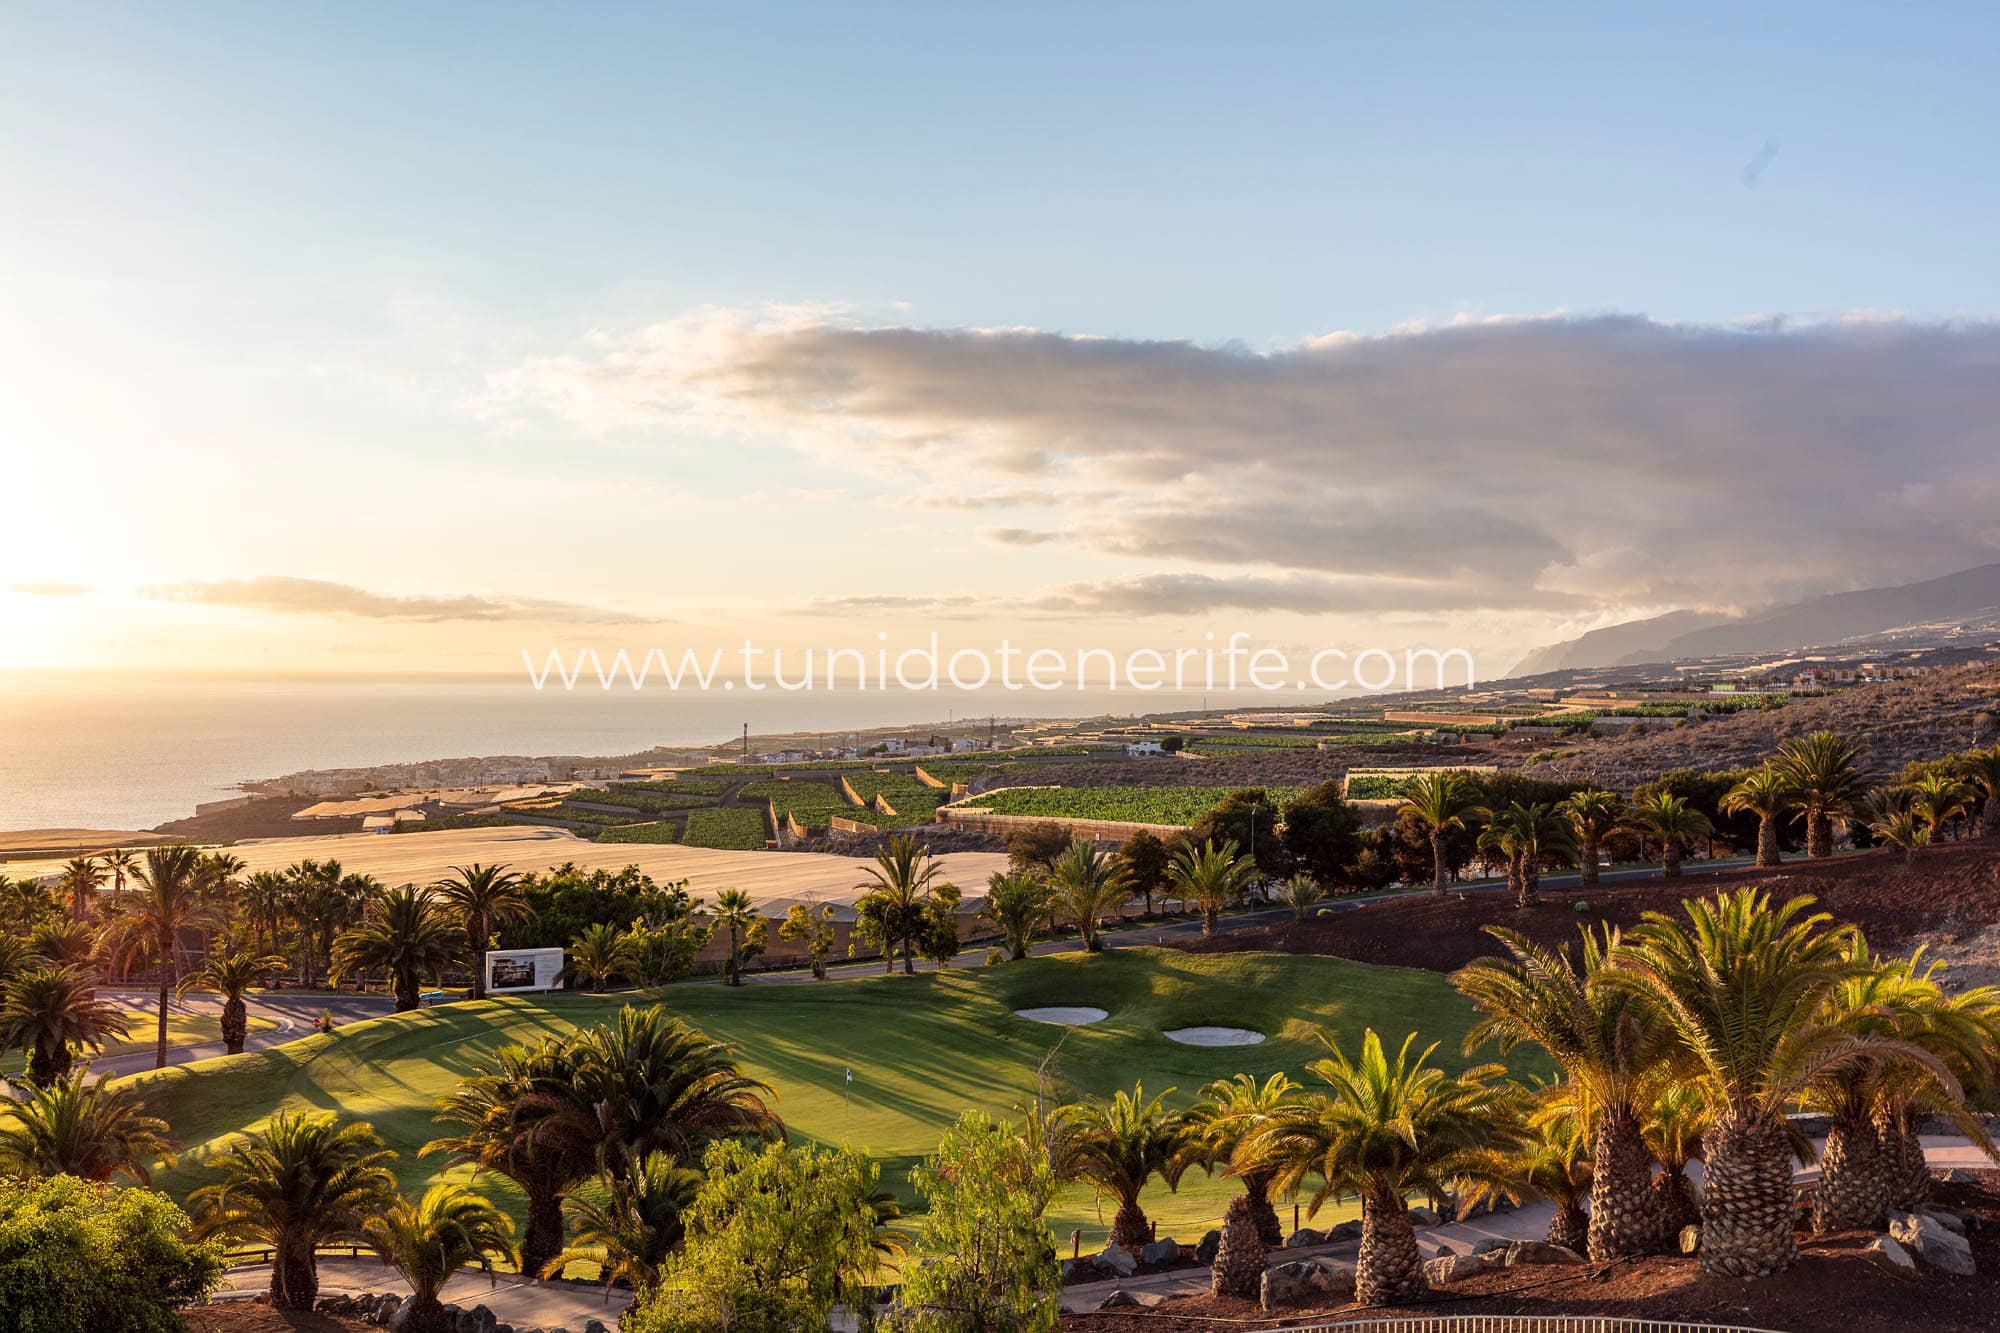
{"points": [[1066, 1016], [1214, 1036]]}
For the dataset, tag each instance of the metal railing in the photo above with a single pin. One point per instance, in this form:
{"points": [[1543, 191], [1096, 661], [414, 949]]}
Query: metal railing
{"points": [[1520, 1323]]}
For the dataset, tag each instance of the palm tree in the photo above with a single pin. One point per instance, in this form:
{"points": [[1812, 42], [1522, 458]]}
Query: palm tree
{"points": [[639, 1222], [736, 913], [301, 1182], [61, 941], [231, 975], [1554, 1162], [1826, 772], [522, 1120], [1890, 815], [429, 1241], [1607, 1047], [1299, 893], [1938, 799], [174, 883], [1982, 773], [1118, 1146], [657, 1083], [1016, 903], [1387, 1130], [599, 956], [50, 1010], [265, 896], [404, 934], [70, 1128], [1593, 815], [488, 897], [1963, 1032], [1675, 823], [1743, 990], [1230, 1110], [1211, 878], [1443, 800], [119, 862], [1674, 1124], [81, 878], [1528, 836], [1764, 792], [1090, 884], [897, 888]]}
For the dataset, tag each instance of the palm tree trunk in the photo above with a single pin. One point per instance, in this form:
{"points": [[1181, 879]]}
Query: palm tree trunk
{"points": [[1437, 862], [1989, 819], [1747, 1206], [166, 989], [1569, 1228], [406, 991], [1819, 835], [542, 1240], [1674, 1202], [1623, 1220], [1767, 843], [1238, 1268], [1901, 1155], [1853, 1191], [1257, 1189], [1670, 859], [1129, 1227], [1586, 863], [1390, 1267], [235, 1024], [477, 933], [1531, 883], [1209, 916], [294, 1276]]}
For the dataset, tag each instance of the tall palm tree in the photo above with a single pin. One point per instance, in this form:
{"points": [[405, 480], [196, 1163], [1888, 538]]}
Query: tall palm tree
{"points": [[1982, 773], [1016, 903], [1827, 772], [637, 1223], [599, 956], [265, 896], [657, 1083], [231, 975], [1211, 878], [1530, 836], [302, 1181], [899, 885], [1938, 799], [1386, 1130], [1117, 1147], [1230, 1111], [736, 913], [1676, 824], [1443, 800], [49, 1011], [1743, 989], [404, 934], [1593, 815], [1090, 884], [1764, 792], [325, 899], [174, 883], [429, 1241], [1607, 1047], [488, 897], [69, 1127], [81, 878], [119, 862], [521, 1119]]}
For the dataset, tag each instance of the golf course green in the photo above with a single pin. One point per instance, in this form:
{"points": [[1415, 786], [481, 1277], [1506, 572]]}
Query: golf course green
{"points": [[920, 1051]]}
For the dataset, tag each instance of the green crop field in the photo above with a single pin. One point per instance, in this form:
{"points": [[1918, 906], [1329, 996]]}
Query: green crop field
{"points": [[731, 830], [680, 786], [656, 833], [1376, 787], [808, 800], [1136, 805], [644, 799], [914, 802], [922, 1051]]}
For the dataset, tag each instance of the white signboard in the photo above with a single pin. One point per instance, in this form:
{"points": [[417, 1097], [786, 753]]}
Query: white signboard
{"points": [[510, 970]]}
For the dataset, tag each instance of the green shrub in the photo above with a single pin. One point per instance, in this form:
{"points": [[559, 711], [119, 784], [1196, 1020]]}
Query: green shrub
{"points": [[82, 1258]]}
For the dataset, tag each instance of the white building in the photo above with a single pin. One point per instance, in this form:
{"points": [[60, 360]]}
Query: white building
{"points": [[1143, 749]]}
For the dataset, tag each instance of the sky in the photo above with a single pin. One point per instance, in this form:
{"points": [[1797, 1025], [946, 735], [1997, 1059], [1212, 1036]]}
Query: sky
{"points": [[397, 339]]}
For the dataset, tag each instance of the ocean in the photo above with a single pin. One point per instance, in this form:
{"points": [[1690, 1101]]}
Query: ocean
{"points": [[132, 753]]}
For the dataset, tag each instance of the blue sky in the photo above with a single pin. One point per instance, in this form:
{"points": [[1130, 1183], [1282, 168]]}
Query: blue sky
{"points": [[245, 240]]}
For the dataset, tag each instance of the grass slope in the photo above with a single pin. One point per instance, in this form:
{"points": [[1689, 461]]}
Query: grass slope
{"points": [[922, 1050]]}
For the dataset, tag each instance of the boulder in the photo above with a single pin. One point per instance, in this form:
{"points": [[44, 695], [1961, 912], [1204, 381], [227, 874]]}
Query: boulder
{"points": [[1117, 1261], [1423, 1217], [1946, 1218], [1163, 1251], [1286, 1284], [1080, 1270], [1349, 1230], [595, 1326], [1488, 1244], [1690, 1239], [1333, 1277], [1539, 1252], [1204, 1253], [1890, 1255], [1303, 1237], [1447, 1269], [1932, 1242], [1119, 1299]]}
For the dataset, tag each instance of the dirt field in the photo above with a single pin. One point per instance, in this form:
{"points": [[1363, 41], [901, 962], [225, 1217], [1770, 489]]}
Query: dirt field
{"points": [[1946, 898], [1832, 1288], [773, 879]]}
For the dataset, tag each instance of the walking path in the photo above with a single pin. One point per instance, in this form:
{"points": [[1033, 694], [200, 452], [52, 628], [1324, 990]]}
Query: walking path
{"points": [[512, 1298]]}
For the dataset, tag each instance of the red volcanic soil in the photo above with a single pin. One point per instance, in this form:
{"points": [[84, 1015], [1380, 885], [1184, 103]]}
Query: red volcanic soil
{"points": [[1947, 891], [1832, 1287], [250, 1317]]}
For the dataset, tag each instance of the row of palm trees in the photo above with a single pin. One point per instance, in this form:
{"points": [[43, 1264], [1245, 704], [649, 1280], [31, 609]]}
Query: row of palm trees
{"points": [[1820, 780], [1680, 1040]]}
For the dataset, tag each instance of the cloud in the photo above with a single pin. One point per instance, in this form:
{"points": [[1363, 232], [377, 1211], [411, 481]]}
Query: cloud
{"points": [[1018, 537], [318, 597], [49, 588], [1606, 460]]}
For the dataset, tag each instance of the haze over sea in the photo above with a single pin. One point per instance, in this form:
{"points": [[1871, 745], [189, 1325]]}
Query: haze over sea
{"points": [[111, 753]]}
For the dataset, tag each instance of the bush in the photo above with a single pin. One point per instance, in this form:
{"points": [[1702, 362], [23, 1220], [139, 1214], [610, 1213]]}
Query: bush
{"points": [[82, 1258], [989, 1260]]}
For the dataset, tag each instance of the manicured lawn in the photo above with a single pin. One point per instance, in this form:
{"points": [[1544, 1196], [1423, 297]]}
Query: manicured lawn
{"points": [[182, 1030], [921, 1050]]}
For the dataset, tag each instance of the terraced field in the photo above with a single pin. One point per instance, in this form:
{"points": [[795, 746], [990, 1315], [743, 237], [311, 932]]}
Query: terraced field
{"points": [[730, 830], [810, 802], [914, 802], [1137, 805]]}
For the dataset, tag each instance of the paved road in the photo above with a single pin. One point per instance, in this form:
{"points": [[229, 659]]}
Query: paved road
{"points": [[512, 1298], [291, 1013]]}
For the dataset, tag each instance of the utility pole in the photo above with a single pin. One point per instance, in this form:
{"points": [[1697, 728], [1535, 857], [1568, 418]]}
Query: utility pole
{"points": [[746, 740]]}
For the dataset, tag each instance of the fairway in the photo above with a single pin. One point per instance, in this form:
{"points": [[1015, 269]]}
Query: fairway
{"points": [[921, 1051]]}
